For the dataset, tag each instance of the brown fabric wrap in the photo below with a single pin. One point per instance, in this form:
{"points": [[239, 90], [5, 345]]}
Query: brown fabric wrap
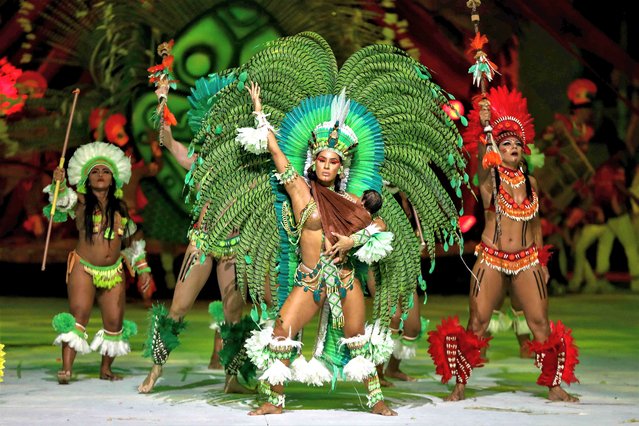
{"points": [[338, 214]]}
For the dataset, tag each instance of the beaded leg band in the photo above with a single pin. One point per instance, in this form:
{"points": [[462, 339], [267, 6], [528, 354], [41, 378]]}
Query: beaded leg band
{"points": [[455, 350], [70, 332], [556, 357], [279, 350], [162, 335], [360, 367], [374, 391], [114, 344], [272, 397]]}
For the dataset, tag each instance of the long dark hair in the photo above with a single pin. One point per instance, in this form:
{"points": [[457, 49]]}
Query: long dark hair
{"points": [[113, 205], [313, 176]]}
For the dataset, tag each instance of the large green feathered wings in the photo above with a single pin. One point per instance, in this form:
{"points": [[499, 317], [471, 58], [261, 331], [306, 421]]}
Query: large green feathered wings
{"points": [[405, 139]]}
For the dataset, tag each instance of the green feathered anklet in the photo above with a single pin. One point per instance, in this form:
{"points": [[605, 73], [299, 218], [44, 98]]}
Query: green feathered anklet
{"points": [[216, 310], [233, 355], [163, 334]]}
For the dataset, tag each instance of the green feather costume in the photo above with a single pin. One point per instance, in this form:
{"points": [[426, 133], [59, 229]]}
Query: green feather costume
{"points": [[404, 138], [410, 137]]}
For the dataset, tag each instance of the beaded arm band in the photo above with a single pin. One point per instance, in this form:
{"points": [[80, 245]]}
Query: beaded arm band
{"points": [[362, 236], [288, 175]]}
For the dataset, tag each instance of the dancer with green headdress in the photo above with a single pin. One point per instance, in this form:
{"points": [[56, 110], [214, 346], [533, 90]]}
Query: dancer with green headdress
{"points": [[377, 118], [95, 266]]}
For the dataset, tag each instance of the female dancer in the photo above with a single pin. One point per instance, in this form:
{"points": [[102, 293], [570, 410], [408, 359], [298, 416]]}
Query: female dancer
{"points": [[511, 253], [317, 210], [200, 256], [392, 127], [95, 266]]}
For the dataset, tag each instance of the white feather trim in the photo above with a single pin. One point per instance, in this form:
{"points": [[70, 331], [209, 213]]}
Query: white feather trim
{"points": [[277, 373], [135, 251], [312, 373], [256, 345], [299, 369], [101, 153], [110, 348], [253, 140], [74, 341], [376, 248], [318, 374], [358, 369], [66, 201], [404, 351], [381, 343]]}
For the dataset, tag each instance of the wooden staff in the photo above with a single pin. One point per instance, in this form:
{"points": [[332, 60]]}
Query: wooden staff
{"points": [[76, 92], [164, 50]]}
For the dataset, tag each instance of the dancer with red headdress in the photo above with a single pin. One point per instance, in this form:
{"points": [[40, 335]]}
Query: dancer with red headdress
{"points": [[511, 252]]}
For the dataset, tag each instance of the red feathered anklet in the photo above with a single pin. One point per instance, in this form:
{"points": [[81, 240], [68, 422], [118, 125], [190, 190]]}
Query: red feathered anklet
{"points": [[556, 357], [455, 351]]}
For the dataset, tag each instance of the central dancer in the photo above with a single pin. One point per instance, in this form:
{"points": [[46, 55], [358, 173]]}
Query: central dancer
{"points": [[303, 178]]}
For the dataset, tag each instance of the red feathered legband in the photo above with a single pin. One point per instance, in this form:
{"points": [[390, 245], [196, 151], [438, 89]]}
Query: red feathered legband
{"points": [[556, 357], [455, 351]]}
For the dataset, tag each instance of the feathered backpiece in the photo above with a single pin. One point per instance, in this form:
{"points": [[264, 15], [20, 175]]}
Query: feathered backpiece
{"points": [[509, 116], [384, 103]]}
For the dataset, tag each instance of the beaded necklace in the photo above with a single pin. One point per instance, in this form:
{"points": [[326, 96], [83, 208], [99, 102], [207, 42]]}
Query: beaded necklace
{"points": [[294, 231], [524, 211], [514, 178]]}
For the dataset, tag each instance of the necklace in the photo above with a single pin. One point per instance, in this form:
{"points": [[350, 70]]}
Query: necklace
{"points": [[524, 211], [514, 178]]}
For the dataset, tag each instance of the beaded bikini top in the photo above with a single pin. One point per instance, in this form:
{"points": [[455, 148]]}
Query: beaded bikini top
{"points": [[109, 234], [523, 211]]}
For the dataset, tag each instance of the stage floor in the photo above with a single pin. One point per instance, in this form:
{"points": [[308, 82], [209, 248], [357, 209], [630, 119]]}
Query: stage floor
{"points": [[605, 328]]}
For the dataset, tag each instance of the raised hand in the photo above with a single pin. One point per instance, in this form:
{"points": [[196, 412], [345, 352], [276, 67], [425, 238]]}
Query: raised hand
{"points": [[254, 90], [58, 174]]}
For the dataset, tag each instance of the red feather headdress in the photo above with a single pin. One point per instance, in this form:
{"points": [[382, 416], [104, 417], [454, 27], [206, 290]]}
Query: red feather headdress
{"points": [[509, 116]]}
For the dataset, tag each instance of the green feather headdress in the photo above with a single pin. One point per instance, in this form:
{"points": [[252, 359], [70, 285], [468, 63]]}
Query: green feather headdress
{"points": [[335, 135], [86, 157]]}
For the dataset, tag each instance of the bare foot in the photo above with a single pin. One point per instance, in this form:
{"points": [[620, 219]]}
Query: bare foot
{"points": [[109, 375], [524, 352], [215, 364], [153, 376], [64, 377], [382, 409], [234, 386], [457, 394], [556, 393], [385, 383], [399, 375], [266, 408]]}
